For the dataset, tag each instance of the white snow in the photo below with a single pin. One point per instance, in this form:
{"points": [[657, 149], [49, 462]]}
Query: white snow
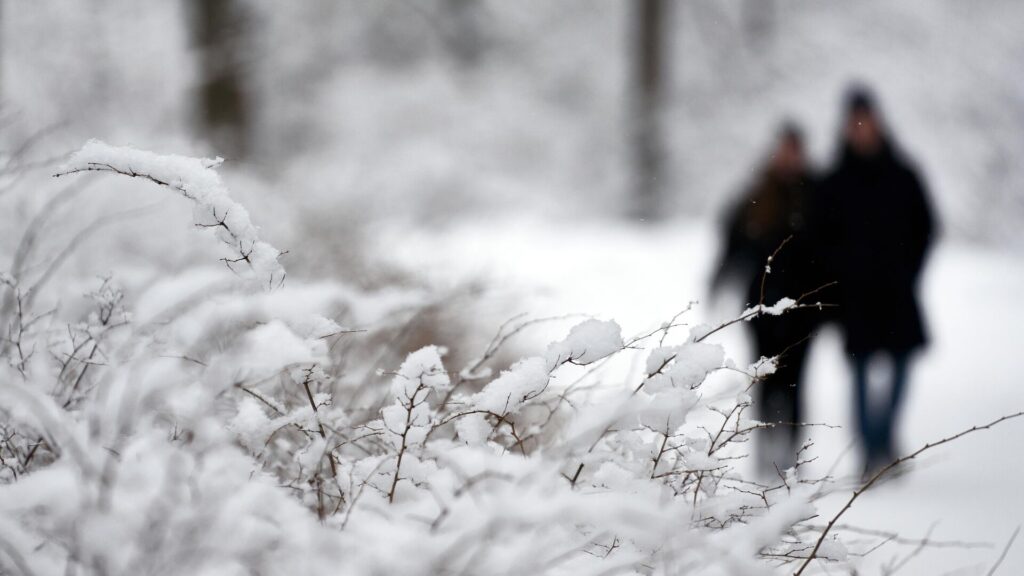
{"points": [[777, 309], [507, 392], [587, 342]]}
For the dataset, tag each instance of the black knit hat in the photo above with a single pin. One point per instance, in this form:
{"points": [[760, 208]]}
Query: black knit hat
{"points": [[790, 130], [859, 99]]}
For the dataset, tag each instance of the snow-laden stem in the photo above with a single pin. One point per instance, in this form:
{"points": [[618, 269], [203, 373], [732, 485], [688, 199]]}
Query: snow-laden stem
{"points": [[196, 180]]}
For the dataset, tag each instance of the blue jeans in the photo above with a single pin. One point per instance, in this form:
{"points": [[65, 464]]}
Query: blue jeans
{"points": [[876, 420]]}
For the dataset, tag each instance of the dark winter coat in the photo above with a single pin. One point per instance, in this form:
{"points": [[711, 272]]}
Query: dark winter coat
{"points": [[877, 225], [773, 210]]}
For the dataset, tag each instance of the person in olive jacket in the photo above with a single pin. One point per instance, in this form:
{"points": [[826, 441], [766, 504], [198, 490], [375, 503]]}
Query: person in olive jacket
{"points": [[877, 225], [774, 211]]}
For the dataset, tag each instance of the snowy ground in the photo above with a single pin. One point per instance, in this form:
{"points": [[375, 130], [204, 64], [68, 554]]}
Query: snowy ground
{"points": [[641, 275]]}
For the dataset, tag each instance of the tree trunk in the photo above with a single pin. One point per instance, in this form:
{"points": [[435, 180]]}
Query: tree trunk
{"points": [[759, 22], [221, 32], [647, 101], [462, 35]]}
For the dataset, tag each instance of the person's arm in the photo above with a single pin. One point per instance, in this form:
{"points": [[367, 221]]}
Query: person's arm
{"points": [[731, 252], [922, 221], [737, 250]]}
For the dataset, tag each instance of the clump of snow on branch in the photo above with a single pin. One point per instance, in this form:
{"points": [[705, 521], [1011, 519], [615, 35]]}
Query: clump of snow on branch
{"points": [[777, 309], [587, 342], [764, 367], [196, 179]]}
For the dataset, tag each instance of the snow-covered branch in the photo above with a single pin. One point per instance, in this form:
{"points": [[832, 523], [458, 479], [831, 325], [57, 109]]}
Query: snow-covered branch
{"points": [[195, 179]]}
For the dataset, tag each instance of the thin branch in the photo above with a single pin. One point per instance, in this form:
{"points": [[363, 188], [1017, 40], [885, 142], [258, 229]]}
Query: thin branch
{"points": [[885, 470], [1006, 549]]}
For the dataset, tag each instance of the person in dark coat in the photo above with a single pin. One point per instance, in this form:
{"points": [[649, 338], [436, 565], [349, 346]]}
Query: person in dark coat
{"points": [[878, 225], [774, 211]]}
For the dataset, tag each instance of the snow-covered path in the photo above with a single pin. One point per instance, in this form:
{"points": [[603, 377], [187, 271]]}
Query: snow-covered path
{"points": [[969, 491]]}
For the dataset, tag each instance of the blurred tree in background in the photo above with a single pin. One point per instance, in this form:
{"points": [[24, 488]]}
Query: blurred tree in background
{"points": [[650, 70], [221, 30]]}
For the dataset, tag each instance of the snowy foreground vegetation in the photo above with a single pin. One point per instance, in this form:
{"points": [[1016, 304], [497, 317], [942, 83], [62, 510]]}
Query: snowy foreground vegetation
{"points": [[225, 433]]}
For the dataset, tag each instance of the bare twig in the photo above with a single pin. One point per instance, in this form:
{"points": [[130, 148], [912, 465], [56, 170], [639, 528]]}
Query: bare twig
{"points": [[1006, 549], [885, 470]]}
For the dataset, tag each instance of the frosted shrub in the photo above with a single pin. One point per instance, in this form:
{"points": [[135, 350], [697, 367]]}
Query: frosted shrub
{"points": [[224, 437]]}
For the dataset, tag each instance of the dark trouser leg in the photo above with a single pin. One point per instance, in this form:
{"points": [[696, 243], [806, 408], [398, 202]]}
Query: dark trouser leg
{"points": [[779, 402], [867, 422], [897, 391]]}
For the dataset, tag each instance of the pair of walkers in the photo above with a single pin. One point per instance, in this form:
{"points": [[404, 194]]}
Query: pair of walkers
{"points": [[861, 231]]}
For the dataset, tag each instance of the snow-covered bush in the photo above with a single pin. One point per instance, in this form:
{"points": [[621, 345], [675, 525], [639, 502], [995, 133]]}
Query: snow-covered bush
{"points": [[218, 431]]}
